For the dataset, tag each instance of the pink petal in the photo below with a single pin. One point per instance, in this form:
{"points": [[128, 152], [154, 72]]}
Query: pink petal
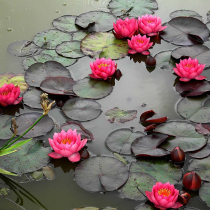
{"points": [[74, 157], [18, 100], [184, 79], [162, 28], [176, 205], [145, 52], [151, 34], [132, 51], [200, 77], [55, 155]]}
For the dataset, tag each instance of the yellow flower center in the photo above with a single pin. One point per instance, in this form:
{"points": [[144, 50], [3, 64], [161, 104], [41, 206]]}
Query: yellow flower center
{"points": [[189, 65], [103, 65], [149, 21], [164, 192], [5, 93], [140, 41], [64, 141]]}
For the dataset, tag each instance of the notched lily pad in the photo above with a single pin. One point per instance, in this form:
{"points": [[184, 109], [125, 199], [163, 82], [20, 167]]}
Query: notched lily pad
{"points": [[5, 125], [120, 115], [185, 13], [101, 173]]}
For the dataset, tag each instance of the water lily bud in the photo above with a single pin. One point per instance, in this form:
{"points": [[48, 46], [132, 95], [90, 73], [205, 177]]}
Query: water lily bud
{"points": [[184, 197], [84, 154], [192, 181], [150, 61], [177, 155], [118, 74]]}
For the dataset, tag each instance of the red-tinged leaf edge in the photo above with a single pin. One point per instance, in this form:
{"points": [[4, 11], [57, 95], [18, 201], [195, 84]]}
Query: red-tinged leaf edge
{"points": [[203, 128], [145, 115], [150, 127], [157, 119]]}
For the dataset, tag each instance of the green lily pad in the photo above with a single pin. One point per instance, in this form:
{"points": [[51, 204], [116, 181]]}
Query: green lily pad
{"points": [[144, 206], [120, 140], [51, 38], [161, 170], [17, 80], [120, 115], [104, 45], [90, 88], [183, 135], [48, 173], [120, 158], [66, 23], [37, 175], [101, 173], [204, 193], [28, 158], [70, 49], [79, 35], [185, 13], [195, 109], [5, 125], [96, 21], [133, 8], [136, 186]]}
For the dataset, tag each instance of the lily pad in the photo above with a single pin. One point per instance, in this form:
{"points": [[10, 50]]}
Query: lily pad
{"points": [[39, 72], [22, 48], [133, 8], [136, 186], [185, 13], [195, 109], [120, 158], [96, 21], [201, 167], [148, 146], [185, 31], [184, 136], [58, 85], [165, 61], [51, 38], [203, 128], [144, 206], [101, 173], [79, 35], [5, 125], [120, 115], [204, 193], [25, 121], [28, 158], [17, 80], [85, 134], [90, 88], [104, 45], [48, 173], [66, 23], [120, 140], [70, 49], [37, 175], [161, 170], [81, 109]]}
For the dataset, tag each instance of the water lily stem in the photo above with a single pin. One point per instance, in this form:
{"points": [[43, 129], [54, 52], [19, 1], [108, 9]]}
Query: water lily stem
{"points": [[7, 142]]}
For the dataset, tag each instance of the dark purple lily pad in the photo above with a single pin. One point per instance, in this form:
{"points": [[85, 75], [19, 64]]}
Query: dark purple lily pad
{"points": [[120, 140], [203, 128], [184, 136], [185, 31], [136, 186], [81, 109], [39, 72], [148, 146], [96, 21], [120, 115], [25, 121], [101, 173], [58, 85], [85, 134], [5, 125], [151, 117], [185, 13]]}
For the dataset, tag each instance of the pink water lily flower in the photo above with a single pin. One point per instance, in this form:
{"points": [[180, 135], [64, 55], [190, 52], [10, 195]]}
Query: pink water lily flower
{"points": [[164, 196], [9, 94], [102, 68], [125, 28], [67, 144], [150, 25], [139, 44], [189, 69]]}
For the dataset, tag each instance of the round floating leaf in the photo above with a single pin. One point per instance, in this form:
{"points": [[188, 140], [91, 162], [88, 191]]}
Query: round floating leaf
{"points": [[51, 38], [96, 21], [104, 45], [203, 128], [39, 72], [185, 13], [144, 206], [195, 109], [37, 175], [25, 121], [136, 186], [200, 52], [70, 49], [120, 140], [120, 115], [165, 61], [17, 80], [48, 173], [201, 167], [85, 134], [133, 8], [58, 85], [5, 125], [185, 31], [82, 109], [204, 193], [161, 170], [66, 23], [22, 48], [101, 173], [90, 88], [28, 158], [148, 146], [184, 136], [78, 36]]}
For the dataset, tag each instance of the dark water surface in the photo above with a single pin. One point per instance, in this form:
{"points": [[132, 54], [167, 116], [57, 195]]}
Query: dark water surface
{"points": [[21, 20]]}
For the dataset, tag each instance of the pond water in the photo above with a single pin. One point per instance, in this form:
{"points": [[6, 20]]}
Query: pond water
{"points": [[21, 20]]}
